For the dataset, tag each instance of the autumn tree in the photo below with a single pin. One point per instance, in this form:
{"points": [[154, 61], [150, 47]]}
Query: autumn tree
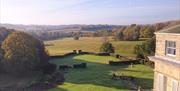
{"points": [[149, 32], [3, 34], [23, 53], [132, 32], [142, 29]]}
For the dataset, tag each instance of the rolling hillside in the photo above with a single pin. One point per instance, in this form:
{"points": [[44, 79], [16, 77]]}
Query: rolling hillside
{"points": [[89, 44]]}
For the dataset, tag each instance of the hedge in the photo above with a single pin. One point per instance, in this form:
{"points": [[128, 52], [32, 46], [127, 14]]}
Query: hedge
{"points": [[117, 63]]}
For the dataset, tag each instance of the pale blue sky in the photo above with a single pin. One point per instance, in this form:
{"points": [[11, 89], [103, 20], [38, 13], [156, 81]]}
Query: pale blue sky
{"points": [[88, 11]]}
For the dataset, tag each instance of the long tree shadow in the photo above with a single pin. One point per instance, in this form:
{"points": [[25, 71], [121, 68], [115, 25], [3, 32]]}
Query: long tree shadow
{"points": [[99, 74]]}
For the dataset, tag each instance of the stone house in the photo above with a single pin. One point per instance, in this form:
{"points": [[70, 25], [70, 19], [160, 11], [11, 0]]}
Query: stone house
{"points": [[167, 60]]}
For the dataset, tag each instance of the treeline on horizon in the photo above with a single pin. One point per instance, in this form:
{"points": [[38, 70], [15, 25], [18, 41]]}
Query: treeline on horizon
{"points": [[126, 32]]}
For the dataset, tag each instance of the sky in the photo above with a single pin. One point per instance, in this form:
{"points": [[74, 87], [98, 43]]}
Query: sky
{"points": [[58, 12]]}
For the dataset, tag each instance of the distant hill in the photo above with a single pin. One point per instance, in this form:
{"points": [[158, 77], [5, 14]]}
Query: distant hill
{"points": [[46, 32], [59, 27]]}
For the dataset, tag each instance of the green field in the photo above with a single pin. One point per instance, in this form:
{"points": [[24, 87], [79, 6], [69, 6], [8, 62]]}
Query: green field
{"points": [[89, 44], [97, 76]]}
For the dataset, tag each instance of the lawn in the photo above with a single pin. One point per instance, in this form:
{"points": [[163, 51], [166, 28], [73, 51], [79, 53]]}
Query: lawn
{"points": [[89, 44], [97, 76]]}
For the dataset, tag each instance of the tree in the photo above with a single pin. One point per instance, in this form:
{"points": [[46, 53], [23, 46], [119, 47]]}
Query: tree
{"points": [[76, 35], [132, 32], [1, 57], [142, 51], [147, 48], [149, 32], [23, 53], [119, 36], [143, 28], [4, 33], [1, 54], [107, 47]]}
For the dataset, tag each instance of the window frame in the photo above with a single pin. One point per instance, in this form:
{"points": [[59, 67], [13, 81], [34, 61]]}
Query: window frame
{"points": [[168, 46], [161, 82], [177, 85]]}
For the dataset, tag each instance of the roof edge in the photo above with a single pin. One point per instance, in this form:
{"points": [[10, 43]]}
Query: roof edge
{"points": [[169, 28], [157, 33]]}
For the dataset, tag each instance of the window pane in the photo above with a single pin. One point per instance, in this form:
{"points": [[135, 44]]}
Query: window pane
{"points": [[174, 52], [169, 51], [174, 45], [161, 85], [174, 85], [171, 47]]}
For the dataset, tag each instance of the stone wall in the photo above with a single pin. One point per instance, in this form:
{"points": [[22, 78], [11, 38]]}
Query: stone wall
{"points": [[161, 39], [168, 70]]}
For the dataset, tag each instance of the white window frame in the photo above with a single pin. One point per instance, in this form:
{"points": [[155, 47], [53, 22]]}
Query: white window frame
{"points": [[171, 48], [175, 85], [161, 83]]}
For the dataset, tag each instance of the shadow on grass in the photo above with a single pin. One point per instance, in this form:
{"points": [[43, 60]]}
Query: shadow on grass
{"points": [[58, 89], [99, 74], [144, 83]]}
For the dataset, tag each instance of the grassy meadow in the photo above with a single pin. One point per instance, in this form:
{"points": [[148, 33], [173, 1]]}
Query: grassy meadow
{"points": [[97, 75], [89, 44]]}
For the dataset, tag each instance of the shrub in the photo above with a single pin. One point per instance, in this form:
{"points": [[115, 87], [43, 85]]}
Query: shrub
{"points": [[76, 35], [148, 62], [81, 65], [103, 54], [63, 67], [107, 47], [55, 78], [59, 78], [117, 56], [79, 51], [74, 51], [142, 51], [117, 63], [119, 36], [49, 68]]}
